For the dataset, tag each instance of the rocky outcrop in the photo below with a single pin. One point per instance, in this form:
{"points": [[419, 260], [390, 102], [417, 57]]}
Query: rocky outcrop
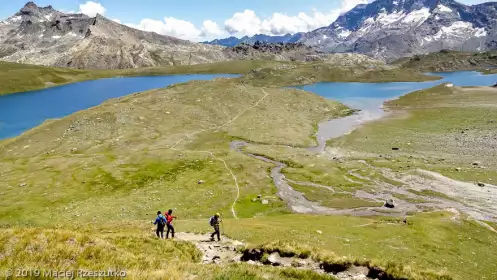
{"points": [[42, 35], [278, 51], [234, 41]]}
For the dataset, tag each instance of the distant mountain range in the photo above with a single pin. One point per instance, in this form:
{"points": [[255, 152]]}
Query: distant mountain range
{"points": [[43, 35], [387, 29], [396, 28], [233, 41]]}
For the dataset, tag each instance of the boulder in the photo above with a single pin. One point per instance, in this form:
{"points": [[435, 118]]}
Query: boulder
{"points": [[389, 203], [236, 259], [265, 202], [476, 163], [274, 259], [200, 182], [395, 149], [22, 184], [319, 232], [480, 184]]}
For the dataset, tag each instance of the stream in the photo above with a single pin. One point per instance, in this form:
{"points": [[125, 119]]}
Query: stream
{"points": [[369, 99]]}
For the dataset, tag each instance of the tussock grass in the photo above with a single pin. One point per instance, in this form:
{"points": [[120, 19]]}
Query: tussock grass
{"points": [[458, 249]]}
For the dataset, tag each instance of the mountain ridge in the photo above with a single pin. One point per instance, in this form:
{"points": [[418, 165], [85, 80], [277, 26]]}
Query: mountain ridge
{"points": [[397, 28], [234, 41], [391, 29], [45, 36]]}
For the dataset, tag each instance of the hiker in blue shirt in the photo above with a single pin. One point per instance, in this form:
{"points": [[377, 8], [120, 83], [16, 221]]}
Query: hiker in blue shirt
{"points": [[160, 221]]}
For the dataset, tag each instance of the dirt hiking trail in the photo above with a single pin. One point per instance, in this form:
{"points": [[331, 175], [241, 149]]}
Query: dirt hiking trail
{"points": [[229, 251]]}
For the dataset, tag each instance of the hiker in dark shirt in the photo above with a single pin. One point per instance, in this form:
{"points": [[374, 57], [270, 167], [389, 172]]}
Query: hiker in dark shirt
{"points": [[161, 222], [214, 222], [169, 223]]}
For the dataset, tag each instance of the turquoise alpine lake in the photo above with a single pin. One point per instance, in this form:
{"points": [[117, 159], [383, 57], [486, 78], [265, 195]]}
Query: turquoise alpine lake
{"points": [[22, 111], [369, 98]]}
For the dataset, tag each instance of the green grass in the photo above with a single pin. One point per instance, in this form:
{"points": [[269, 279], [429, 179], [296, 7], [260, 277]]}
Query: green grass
{"points": [[429, 241], [127, 168], [307, 73], [121, 249], [91, 208], [441, 129], [431, 193]]}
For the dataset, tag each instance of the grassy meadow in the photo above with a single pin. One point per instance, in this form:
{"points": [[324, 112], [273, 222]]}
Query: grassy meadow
{"points": [[80, 192]]}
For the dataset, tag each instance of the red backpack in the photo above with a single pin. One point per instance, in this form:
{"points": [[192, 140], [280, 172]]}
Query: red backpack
{"points": [[169, 218]]}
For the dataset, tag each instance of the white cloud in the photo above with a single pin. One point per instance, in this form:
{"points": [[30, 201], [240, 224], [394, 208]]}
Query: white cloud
{"points": [[348, 5], [243, 23], [170, 26], [91, 8], [211, 29], [67, 11], [248, 23]]}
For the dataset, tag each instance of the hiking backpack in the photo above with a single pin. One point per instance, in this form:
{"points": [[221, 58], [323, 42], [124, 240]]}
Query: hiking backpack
{"points": [[162, 222], [211, 221]]}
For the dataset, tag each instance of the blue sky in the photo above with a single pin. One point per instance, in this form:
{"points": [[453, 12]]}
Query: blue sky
{"points": [[207, 19]]}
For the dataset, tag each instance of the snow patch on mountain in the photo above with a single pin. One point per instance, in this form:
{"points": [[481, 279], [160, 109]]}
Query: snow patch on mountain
{"points": [[444, 9], [14, 19], [457, 29], [344, 33], [481, 32], [417, 17], [385, 19]]}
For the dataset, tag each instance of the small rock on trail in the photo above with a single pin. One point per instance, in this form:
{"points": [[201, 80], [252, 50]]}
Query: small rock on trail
{"points": [[389, 203]]}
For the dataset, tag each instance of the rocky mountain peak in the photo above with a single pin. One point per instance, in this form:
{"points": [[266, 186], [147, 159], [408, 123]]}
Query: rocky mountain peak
{"points": [[397, 28], [32, 9], [30, 5]]}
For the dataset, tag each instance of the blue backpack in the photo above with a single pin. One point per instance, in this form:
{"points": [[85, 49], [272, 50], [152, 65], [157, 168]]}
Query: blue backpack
{"points": [[162, 221]]}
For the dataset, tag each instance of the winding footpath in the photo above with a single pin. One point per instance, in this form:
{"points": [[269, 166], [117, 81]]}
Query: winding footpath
{"points": [[228, 123]]}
